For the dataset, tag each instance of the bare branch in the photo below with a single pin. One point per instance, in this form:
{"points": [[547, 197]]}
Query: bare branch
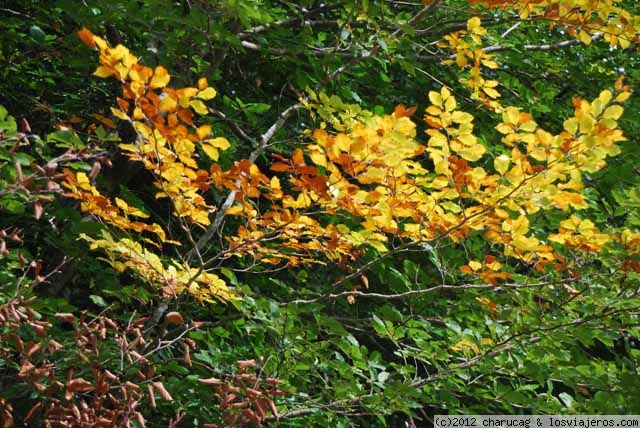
{"points": [[262, 145], [545, 47], [234, 127], [293, 22], [443, 287]]}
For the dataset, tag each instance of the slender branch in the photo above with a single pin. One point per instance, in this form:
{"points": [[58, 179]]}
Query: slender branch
{"points": [[262, 145], [498, 48], [442, 287], [545, 47], [417, 17], [293, 22], [234, 127], [16, 13]]}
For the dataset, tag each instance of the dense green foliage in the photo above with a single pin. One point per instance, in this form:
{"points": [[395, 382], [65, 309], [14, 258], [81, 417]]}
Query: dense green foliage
{"points": [[377, 339]]}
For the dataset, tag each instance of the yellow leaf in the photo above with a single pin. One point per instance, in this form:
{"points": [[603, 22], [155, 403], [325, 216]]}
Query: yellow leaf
{"points": [[450, 103], [613, 112], [465, 344], [160, 78], [526, 243], [207, 94], [122, 205], [434, 111], [501, 164], [584, 37], [219, 142], [461, 117], [103, 71], [504, 128], [119, 113], [274, 183], [317, 155], [198, 106], [571, 125], [202, 83], [475, 265], [586, 123], [528, 126], [490, 64], [519, 226], [168, 104], [439, 182], [624, 42], [435, 98], [511, 115], [605, 97], [474, 25], [491, 92], [203, 131], [140, 75], [100, 43], [623, 96], [437, 139], [82, 179], [184, 102], [210, 151], [473, 153]]}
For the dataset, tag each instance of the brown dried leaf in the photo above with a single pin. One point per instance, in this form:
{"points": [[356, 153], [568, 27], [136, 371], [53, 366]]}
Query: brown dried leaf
{"points": [[38, 210], [162, 391], [152, 397], [32, 412], [243, 364], [174, 318], [211, 381], [66, 317], [79, 385]]}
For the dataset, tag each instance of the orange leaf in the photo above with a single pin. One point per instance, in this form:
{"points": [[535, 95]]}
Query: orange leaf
{"points": [[279, 167], [402, 111], [298, 157], [87, 37]]}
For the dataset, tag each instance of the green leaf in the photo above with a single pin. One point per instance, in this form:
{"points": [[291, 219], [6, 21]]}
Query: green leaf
{"points": [[65, 139], [98, 301]]}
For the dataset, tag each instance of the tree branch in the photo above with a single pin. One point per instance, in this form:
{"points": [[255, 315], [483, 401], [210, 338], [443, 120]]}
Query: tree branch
{"points": [[262, 145], [234, 127], [404, 295], [545, 47]]}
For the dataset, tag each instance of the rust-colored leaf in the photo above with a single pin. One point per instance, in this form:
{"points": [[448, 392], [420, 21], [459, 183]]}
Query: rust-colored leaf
{"points": [[174, 318], [79, 385], [87, 37]]}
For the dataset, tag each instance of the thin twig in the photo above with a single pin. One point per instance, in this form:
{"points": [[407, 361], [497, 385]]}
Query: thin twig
{"points": [[410, 293]]}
